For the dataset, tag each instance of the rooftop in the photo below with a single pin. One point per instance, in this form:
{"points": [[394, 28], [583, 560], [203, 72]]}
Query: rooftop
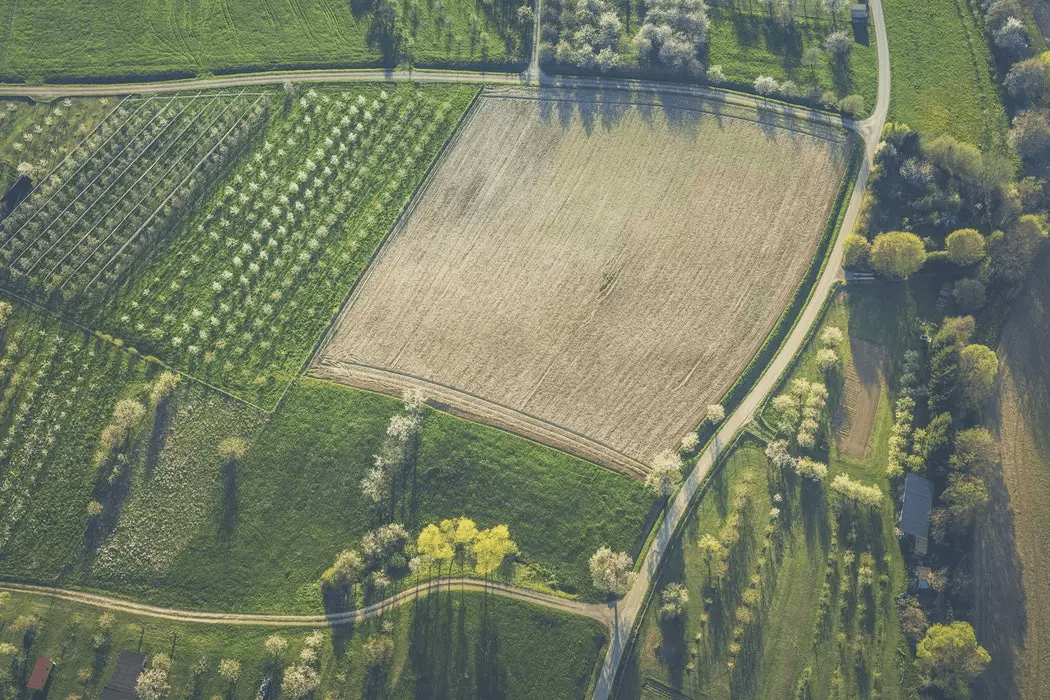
{"points": [[915, 514]]}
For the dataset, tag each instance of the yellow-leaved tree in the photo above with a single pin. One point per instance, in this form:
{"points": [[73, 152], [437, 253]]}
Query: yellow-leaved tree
{"points": [[491, 548]]}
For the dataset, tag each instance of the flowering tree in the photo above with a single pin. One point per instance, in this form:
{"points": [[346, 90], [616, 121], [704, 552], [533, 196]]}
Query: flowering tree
{"points": [[229, 670], [673, 599], [665, 475], [611, 571]]}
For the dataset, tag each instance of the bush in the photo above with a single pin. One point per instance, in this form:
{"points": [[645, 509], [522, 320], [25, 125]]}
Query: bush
{"points": [[1027, 81], [852, 104], [715, 74], [838, 45], [856, 250], [847, 488], [965, 246], [969, 294]]}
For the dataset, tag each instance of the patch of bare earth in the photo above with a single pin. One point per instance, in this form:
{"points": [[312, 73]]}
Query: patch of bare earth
{"points": [[590, 275], [1012, 568], [854, 418]]}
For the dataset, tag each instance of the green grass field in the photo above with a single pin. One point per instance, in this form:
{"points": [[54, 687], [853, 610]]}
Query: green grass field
{"points": [[179, 530], [808, 613], [62, 41], [445, 645], [941, 82], [747, 46]]}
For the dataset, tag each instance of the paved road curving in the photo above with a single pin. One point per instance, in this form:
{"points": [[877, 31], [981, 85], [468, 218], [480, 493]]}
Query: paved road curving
{"points": [[601, 613], [631, 605]]}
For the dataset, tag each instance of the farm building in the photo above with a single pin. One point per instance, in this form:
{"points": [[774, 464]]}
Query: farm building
{"points": [[915, 513], [859, 13], [121, 684], [38, 678]]}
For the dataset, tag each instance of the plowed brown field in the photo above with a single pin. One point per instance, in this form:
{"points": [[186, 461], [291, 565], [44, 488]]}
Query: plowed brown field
{"points": [[601, 270], [1012, 571]]}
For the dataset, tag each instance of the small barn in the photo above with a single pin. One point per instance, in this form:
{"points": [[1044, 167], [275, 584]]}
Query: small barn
{"points": [[915, 513], [41, 671], [121, 685], [858, 14]]}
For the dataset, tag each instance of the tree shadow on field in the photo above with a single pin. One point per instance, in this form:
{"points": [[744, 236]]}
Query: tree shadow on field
{"points": [[229, 505], [674, 649], [157, 436]]}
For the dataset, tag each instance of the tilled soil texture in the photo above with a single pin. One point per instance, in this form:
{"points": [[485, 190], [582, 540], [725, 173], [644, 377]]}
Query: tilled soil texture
{"points": [[1012, 571], [605, 269], [855, 415]]}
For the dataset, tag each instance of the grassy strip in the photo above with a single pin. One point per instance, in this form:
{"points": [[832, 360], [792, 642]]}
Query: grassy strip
{"points": [[941, 80], [453, 643]]}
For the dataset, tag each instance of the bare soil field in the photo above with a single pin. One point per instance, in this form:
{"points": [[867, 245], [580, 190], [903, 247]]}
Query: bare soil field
{"points": [[1012, 573], [601, 269], [854, 418]]}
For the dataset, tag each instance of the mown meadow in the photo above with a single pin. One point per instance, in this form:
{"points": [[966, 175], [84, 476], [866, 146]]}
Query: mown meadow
{"points": [[448, 644], [113, 41]]}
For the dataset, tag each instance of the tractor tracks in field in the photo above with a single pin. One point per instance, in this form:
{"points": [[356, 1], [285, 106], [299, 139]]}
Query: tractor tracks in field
{"points": [[603, 614]]}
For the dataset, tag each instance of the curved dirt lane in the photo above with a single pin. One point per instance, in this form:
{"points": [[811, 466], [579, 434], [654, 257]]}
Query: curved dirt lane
{"points": [[631, 605], [595, 611]]}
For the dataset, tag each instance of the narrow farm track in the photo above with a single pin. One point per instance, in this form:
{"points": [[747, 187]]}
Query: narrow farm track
{"points": [[632, 604], [601, 613]]}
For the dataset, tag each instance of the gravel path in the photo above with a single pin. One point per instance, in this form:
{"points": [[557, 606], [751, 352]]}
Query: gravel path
{"points": [[601, 613]]}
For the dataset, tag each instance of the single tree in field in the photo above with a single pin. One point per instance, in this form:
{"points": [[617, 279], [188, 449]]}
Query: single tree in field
{"points": [[299, 680], [950, 658], [713, 552], [897, 254], [673, 599], [838, 44], [232, 449], [965, 246], [229, 670], [611, 571], [275, 645], [665, 475]]}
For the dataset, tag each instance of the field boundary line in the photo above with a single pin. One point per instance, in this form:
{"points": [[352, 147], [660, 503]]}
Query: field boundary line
{"points": [[372, 378], [326, 337], [595, 611]]}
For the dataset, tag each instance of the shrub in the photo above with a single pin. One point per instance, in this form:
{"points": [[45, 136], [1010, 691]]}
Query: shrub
{"points": [[811, 469], [965, 246], [852, 104], [5, 313], [869, 496], [233, 448], [715, 74], [855, 250]]}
